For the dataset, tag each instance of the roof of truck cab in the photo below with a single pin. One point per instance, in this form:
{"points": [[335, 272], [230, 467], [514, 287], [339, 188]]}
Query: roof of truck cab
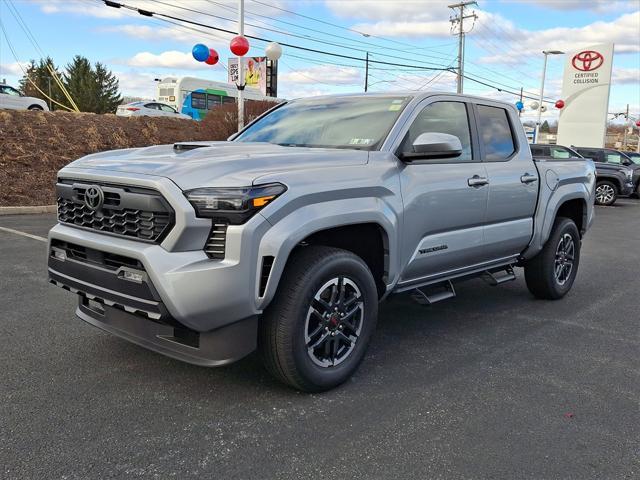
{"points": [[404, 93]]}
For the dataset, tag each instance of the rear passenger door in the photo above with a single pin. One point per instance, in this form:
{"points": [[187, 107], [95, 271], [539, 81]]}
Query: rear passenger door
{"points": [[513, 181]]}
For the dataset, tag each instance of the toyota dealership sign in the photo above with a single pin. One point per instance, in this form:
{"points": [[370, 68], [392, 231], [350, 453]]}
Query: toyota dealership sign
{"points": [[585, 91]]}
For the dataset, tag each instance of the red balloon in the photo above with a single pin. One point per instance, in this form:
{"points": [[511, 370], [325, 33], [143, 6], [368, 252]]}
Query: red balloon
{"points": [[560, 104], [239, 46], [213, 57], [638, 123]]}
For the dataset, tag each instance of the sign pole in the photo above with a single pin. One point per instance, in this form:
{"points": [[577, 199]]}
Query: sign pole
{"points": [[544, 74], [240, 83]]}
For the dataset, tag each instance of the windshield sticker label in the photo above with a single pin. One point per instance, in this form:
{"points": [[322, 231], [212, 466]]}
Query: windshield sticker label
{"points": [[394, 108]]}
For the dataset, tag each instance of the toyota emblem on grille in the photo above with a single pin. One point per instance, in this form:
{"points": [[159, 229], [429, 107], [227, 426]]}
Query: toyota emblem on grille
{"points": [[93, 197]]}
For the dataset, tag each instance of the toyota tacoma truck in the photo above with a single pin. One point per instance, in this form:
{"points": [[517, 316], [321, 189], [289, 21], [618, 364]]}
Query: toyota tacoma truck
{"points": [[286, 237]]}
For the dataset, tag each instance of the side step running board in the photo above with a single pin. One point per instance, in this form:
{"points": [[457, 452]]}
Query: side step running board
{"points": [[497, 277], [433, 293]]}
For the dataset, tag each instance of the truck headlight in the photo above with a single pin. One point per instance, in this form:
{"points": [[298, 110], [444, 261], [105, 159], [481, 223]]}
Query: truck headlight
{"points": [[234, 205]]}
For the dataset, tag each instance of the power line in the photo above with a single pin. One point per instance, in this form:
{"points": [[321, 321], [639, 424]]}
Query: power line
{"points": [[149, 13], [164, 16]]}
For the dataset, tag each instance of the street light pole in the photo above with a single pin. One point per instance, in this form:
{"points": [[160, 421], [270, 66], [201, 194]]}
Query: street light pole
{"points": [[240, 68], [544, 74]]}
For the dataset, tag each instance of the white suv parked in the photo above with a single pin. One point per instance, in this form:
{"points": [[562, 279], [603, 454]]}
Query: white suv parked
{"points": [[12, 99]]}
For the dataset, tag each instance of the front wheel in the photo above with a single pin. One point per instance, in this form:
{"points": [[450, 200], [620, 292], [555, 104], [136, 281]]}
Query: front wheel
{"points": [[35, 108], [315, 333], [606, 193], [550, 274]]}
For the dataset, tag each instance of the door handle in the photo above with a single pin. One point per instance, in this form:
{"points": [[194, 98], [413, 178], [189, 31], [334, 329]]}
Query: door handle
{"points": [[477, 181], [528, 178]]}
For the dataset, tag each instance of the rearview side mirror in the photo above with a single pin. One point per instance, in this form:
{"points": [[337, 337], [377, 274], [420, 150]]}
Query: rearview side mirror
{"points": [[433, 145]]}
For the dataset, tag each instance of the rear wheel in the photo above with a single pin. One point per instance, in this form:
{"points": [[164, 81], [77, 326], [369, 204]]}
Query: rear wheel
{"points": [[606, 193], [315, 333], [551, 273], [35, 108]]}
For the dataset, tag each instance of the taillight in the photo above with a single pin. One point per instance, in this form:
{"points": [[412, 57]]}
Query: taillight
{"points": [[133, 109]]}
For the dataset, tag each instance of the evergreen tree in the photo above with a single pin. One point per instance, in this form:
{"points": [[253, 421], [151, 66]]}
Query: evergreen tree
{"points": [[544, 127], [39, 74], [80, 82], [108, 96], [93, 89]]}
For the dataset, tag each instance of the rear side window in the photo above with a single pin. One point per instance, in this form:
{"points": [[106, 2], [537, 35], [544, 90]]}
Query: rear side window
{"points": [[495, 133]]}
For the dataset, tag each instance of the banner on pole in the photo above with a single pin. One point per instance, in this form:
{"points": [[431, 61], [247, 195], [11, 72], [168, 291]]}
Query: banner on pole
{"points": [[255, 72], [585, 91]]}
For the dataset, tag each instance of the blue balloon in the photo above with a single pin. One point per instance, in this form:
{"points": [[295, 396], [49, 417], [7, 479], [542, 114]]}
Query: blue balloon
{"points": [[200, 52], [519, 105]]}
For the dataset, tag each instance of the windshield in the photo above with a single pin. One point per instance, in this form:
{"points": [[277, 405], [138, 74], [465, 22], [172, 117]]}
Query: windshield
{"points": [[360, 123], [634, 157]]}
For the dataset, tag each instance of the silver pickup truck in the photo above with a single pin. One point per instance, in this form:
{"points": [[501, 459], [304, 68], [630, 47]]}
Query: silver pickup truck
{"points": [[287, 237]]}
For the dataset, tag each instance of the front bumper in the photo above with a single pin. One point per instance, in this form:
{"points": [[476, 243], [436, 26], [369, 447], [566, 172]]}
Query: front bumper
{"points": [[161, 294], [627, 189]]}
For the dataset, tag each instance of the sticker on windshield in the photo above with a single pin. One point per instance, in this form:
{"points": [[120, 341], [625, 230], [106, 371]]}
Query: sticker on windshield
{"points": [[394, 108], [361, 141]]}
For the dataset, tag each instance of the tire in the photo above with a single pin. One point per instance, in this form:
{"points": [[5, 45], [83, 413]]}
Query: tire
{"points": [[293, 322], [560, 254], [606, 193], [35, 108]]}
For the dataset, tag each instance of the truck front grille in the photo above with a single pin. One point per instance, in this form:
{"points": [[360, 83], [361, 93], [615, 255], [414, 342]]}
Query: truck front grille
{"points": [[132, 212]]}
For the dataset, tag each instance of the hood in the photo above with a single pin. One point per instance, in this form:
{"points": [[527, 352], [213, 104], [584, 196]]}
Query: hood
{"points": [[202, 164]]}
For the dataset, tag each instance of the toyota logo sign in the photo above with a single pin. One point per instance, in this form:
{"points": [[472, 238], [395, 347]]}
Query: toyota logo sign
{"points": [[587, 60], [93, 197]]}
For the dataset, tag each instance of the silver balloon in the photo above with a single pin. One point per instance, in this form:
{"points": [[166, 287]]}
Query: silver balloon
{"points": [[534, 105], [273, 51], [543, 108]]}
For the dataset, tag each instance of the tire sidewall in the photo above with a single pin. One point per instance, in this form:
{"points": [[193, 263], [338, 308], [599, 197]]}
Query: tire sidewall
{"points": [[563, 227], [354, 269]]}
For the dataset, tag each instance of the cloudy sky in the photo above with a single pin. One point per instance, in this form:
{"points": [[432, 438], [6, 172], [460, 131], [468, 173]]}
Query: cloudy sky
{"points": [[503, 47]]}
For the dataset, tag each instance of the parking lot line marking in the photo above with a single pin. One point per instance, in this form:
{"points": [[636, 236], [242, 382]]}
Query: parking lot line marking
{"points": [[24, 234]]}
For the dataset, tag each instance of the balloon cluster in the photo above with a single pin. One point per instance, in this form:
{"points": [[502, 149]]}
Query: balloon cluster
{"points": [[202, 53], [239, 46]]}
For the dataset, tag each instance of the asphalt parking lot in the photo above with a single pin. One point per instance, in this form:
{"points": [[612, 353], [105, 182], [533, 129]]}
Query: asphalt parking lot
{"points": [[491, 384]]}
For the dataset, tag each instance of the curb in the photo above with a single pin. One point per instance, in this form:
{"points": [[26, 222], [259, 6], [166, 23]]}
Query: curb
{"points": [[27, 210]]}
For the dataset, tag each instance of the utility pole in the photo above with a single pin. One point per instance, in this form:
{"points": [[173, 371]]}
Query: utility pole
{"points": [[459, 20], [240, 68], [626, 126], [366, 73], [520, 110]]}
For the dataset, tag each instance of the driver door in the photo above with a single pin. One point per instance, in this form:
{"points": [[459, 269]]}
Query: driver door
{"points": [[445, 200]]}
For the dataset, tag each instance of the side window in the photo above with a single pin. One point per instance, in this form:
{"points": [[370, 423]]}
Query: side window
{"points": [[212, 101], [442, 117], [152, 106], [538, 151], [228, 100], [495, 133], [613, 157], [166, 108], [557, 152], [199, 100]]}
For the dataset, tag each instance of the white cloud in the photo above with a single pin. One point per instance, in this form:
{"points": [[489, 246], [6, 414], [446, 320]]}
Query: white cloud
{"points": [[136, 84], [623, 76], [13, 68], [594, 5], [78, 7], [622, 31], [169, 59], [407, 29], [322, 74]]}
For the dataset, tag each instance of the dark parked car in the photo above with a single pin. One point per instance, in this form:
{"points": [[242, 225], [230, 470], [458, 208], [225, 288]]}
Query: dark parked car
{"points": [[613, 179], [613, 157]]}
